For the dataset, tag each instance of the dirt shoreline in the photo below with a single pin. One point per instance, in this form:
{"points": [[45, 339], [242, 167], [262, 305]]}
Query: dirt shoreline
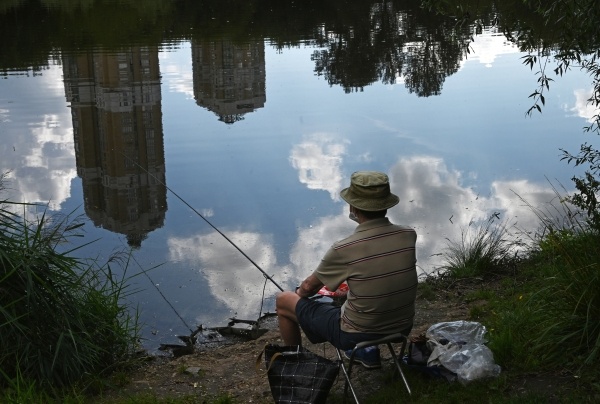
{"points": [[232, 369]]}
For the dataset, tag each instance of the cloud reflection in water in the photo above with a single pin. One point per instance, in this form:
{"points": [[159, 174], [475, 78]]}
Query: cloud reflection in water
{"points": [[434, 200], [318, 160], [233, 280]]}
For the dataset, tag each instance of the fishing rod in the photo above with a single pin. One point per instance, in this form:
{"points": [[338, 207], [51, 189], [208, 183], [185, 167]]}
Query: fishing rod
{"points": [[267, 276]]}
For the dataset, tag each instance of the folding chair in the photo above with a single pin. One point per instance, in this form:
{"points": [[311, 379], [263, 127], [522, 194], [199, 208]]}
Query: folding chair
{"points": [[388, 340]]}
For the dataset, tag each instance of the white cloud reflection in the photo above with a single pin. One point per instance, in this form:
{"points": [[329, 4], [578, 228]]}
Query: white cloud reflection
{"points": [[37, 144], [583, 108], [176, 69], [437, 203], [4, 115], [42, 164], [233, 280], [318, 160], [490, 44], [434, 200]]}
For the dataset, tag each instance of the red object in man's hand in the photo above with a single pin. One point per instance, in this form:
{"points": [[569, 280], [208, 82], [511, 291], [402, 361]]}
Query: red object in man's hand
{"points": [[341, 291]]}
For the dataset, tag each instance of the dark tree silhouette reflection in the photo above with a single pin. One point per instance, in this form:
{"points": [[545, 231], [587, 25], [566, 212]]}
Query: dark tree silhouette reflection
{"points": [[392, 45]]}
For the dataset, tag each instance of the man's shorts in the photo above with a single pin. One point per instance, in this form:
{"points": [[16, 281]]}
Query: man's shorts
{"points": [[321, 322]]}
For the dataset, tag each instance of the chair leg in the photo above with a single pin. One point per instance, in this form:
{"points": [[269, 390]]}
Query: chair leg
{"points": [[347, 371], [347, 377], [395, 357]]}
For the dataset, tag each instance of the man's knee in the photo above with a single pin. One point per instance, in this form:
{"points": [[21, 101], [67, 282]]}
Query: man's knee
{"points": [[286, 302]]}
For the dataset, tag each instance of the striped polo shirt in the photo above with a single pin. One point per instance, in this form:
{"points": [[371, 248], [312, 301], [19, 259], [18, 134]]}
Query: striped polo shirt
{"points": [[379, 263]]}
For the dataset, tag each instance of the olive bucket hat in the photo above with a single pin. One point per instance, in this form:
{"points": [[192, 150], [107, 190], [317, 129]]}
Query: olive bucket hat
{"points": [[370, 191]]}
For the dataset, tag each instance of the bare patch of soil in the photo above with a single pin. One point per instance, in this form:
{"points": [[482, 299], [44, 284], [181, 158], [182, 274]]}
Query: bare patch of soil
{"points": [[232, 369]]}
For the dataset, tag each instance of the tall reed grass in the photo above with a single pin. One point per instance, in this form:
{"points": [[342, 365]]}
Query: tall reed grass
{"points": [[565, 310], [482, 250], [567, 306], [62, 319]]}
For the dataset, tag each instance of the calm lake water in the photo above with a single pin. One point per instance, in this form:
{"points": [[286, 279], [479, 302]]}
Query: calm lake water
{"points": [[257, 122]]}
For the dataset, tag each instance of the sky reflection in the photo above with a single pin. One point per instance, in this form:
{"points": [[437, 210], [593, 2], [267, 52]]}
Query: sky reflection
{"points": [[433, 200], [318, 161], [583, 108], [271, 181], [37, 139]]}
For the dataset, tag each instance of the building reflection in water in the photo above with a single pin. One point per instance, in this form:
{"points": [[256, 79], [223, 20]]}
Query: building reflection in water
{"points": [[117, 127], [229, 79]]}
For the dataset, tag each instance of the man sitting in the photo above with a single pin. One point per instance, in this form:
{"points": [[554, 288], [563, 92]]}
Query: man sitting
{"points": [[377, 261]]}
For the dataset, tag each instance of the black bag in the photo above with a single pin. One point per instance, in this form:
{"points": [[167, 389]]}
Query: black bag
{"points": [[297, 375], [418, 356], [418, 353]]}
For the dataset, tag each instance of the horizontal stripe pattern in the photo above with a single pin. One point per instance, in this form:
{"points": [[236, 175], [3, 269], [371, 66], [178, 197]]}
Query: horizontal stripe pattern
{"points": [[396, 291], [386, 275], [371, 238], [401, 324], [379, 263], [380, 255], [391, 310]]}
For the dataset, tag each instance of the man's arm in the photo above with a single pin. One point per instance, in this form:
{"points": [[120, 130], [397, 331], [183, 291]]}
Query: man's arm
{"points": [[309, 286]]}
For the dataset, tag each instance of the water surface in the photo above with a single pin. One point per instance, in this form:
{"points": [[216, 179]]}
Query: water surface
{"points": [[257, 124]]}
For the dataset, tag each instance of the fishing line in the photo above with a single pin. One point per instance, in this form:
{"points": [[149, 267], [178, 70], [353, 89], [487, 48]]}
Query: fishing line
{"points": [[207, 221], [160, 292], [262, 300]]}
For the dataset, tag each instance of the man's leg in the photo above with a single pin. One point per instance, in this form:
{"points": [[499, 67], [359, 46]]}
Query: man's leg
{"points": [[289, 329]]}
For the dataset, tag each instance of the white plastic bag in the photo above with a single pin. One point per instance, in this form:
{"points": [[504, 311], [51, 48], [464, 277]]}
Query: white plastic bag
{"points": [[480, 364], [463, 332], [459, 347]]}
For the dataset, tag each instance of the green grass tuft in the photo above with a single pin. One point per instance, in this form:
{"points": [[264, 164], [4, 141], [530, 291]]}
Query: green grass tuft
{"points": [[61, 319], [482, 250]]}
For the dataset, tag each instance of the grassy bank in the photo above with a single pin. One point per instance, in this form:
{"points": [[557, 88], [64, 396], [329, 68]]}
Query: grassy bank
{"points": [[64, 325]]}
